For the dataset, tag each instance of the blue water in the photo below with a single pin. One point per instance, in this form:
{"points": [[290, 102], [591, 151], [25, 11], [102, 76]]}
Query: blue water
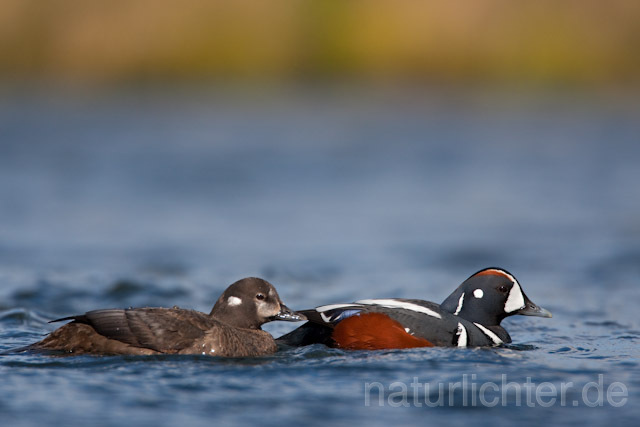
{"points": [[165, 197]]}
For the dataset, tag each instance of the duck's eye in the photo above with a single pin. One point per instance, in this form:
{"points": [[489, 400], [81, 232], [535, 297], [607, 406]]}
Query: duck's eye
{"points": [[503, 288], [260, 297]]}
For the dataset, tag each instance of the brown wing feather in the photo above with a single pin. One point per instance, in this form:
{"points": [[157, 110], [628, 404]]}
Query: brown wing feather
{"points": [[160, 329], [111, 323], [168, 329]]}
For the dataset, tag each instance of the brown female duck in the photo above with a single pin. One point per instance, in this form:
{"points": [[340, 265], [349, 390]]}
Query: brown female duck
{"points": [[232, 329]]}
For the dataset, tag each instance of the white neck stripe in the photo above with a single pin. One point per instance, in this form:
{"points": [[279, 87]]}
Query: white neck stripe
{"points": [[461, 332], [489, 334], [460, 301]]}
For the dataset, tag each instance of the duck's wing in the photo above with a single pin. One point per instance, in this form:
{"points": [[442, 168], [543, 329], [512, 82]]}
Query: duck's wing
{"points": [[160, 329], [319, 328], [332, 314]]}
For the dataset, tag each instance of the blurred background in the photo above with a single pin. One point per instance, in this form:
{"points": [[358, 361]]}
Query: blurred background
{"points": [[335, 143], [567, 42]]}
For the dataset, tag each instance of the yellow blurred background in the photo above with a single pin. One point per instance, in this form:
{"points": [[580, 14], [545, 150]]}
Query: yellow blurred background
{"points": [[114, 41]]}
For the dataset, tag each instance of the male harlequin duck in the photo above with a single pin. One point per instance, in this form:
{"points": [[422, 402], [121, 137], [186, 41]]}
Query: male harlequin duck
{"points": [[232, 329], [470, 316]]}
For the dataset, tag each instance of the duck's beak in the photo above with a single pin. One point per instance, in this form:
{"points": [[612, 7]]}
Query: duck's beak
{"points": [[530, 309], [288, 315]]}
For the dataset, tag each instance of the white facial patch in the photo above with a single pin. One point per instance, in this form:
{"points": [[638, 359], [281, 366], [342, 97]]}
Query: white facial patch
{"points": [[478, 293], [459, 307], [515, 300], [392, 303], [232, 301]]}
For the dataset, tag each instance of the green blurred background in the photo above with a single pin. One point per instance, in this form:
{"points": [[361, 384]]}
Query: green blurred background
{"points": [[578, 42]]}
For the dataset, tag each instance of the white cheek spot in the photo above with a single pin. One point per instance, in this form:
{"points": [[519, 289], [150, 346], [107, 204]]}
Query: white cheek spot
{"points": [[232, 301], [478, 293], [515, 300]]}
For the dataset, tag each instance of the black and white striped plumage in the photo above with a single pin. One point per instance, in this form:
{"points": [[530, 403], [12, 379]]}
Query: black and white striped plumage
{"points": [[470, 316]]}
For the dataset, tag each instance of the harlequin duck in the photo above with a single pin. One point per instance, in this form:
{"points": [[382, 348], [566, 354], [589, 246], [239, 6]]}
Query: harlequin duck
{"points": [[232, 329], [470, 316]]}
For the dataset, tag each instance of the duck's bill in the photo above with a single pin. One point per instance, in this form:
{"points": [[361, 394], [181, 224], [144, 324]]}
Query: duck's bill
{"points": [[530, 309], [289, 315]]}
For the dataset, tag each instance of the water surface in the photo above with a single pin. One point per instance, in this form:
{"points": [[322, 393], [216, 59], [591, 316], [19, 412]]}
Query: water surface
{"points": [[165, 198]]}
